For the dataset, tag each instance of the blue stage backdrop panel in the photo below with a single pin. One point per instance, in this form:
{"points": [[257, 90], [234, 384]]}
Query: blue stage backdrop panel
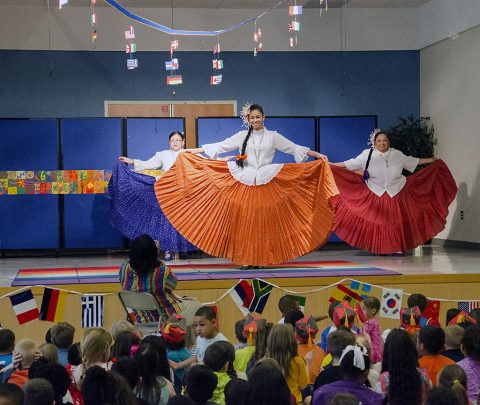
{"points": [[90, 144], [29, 221], [300, 130], [342, 138], [145, 136]]}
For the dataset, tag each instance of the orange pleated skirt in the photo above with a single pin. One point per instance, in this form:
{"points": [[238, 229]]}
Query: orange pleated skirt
{"points": [[255, 225]]}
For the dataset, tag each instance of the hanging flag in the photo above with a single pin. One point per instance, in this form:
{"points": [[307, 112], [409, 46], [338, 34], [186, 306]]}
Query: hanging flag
{"points": [[292, 42], [130, 48], [132, 64], [214, 80], [24, 306], [432, 310], [130, 34], [391, 303], [173, 80], [217, 63], [92, 311], [468, 306], [362, 289], [94, 18], [53, 305], [342, 293], [242, 295], [216, 49], [171, 64], [294, 26], [62, 3], [294, 10], [261, 293], [173, 45]]}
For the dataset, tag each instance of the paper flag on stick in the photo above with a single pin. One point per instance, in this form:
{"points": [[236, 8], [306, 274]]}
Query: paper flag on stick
{"points": [[24, 306], [171, 64], [130, 34], [294, 10], [214, 80], [173, 80], [391, 303], [217, 63]]}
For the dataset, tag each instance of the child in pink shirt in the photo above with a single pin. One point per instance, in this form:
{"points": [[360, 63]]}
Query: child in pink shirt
{"points": [[370, 307]]}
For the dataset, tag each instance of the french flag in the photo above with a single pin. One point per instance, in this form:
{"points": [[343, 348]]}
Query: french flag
{"points": [[24, 306]]}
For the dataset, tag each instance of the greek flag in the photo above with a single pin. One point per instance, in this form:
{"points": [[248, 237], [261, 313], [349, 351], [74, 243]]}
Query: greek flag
{"points": [[92, 311]]}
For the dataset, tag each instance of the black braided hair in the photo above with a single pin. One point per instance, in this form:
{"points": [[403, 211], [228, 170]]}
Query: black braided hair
{"points": [[176, 133], [366, 175], [240, 160]]}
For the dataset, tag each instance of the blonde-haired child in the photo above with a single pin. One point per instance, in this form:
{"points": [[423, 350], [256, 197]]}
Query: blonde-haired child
{"points": [[25, 349], [282, 346], [95, 351]]}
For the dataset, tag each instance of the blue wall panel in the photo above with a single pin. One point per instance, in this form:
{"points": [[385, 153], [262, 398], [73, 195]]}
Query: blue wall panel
{"points": [[90, 143], [300, 130], [28, 221], [145, 136]]}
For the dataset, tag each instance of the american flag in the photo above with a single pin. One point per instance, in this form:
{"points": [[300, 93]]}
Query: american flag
{"points": [[467, 306], [217, 63], [132, 64], [171, 64], [214, 80], [92, 311], [294, 10], [130, 48], [130, 34]]}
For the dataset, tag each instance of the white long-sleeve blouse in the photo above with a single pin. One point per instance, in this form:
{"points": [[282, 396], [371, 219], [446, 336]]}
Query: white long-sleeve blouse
{"points": [[161, 160]]}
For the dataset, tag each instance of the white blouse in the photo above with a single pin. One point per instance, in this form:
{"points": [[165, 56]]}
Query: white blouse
{"points": [[385, 170], [261, 146], [161, 160]]}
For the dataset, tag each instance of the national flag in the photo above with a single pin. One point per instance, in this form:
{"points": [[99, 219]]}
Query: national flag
{"points": [[432, 310], [216, 49], [24, 306], [53, 305], [292, 42], [171, 64], [362, 289], [174, 44], [173, 80], [92, 311], [242, 295], [294, 10], [94, 18], [342, 293], [301, 301], [62, 3], [130, 34], [214, 80], [130, 48], [132, 64], [391, 303], [294, 26], [261, 293], [217, 63], [468, 306], [256, 36]]}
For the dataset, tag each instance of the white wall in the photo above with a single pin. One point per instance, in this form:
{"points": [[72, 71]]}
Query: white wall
{"points": [[450, 94]]}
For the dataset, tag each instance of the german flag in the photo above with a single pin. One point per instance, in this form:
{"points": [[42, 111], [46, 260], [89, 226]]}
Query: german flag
{"points": [[53, 305]]}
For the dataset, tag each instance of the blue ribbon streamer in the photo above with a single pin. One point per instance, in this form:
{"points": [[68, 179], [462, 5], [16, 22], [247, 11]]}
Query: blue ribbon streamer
{"points": [[171, 31]]}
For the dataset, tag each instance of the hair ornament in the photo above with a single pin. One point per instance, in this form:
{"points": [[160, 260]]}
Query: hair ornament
{"points": [[373, 134], [245, 113], [358, 353], [134, 350]]}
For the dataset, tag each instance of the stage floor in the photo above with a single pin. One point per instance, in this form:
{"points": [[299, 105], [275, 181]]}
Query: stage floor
{"points": [[426, 260]]}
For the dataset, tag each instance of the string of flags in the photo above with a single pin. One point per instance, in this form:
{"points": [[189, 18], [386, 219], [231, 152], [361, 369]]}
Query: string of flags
{"points": [[257, 39], [217, 64], [131, 48], [294, 25], [93, 21], [173, 65]]}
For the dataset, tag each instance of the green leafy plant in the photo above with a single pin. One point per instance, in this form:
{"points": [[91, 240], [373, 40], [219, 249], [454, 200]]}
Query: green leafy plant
{"points": [[414, 137]]}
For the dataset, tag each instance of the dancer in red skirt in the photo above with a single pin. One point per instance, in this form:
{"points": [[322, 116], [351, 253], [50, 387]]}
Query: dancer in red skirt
{"points": [[383, 211]]}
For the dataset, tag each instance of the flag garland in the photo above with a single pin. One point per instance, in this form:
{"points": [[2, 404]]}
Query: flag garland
{"points": [[93, 22], [131, 48], [53, 305], [217, 64], [294, 25], [92, 311], [172, 65]]}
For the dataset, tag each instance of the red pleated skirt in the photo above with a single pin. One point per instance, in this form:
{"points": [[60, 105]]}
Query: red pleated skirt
{"points": [[385, 225]]}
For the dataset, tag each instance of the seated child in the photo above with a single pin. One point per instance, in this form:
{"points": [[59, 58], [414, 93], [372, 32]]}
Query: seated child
{"points": [[453, 341], [252, 326], [19, 376], [420, 301], [7, 343], [285, 304], [200, 383], [305, 332], [335, 324], [241, 340], [431, 340]]}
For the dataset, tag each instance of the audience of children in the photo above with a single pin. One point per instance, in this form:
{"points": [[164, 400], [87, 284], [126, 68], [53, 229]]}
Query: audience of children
{"points": [[282, 360]]}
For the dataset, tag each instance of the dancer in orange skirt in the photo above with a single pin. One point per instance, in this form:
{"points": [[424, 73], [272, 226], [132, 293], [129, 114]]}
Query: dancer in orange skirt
{"points": [[383, 211], [250, 210]]}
